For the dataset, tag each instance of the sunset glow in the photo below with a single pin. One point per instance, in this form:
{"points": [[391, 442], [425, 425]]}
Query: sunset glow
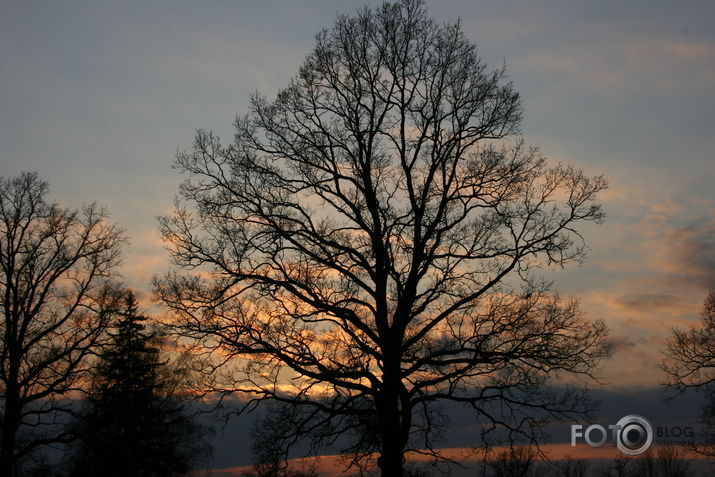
{"points": [[101, 98]]}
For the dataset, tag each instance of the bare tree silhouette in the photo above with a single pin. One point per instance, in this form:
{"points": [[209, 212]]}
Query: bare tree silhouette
{"points": [[512, 462], [54, 266], [690, 354], [662, 461], [570, 467], [369, 244], [689, 361], [618, 467], [271, 436]]}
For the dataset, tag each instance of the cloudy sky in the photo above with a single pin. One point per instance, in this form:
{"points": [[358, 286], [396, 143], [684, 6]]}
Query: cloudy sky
{"points": [[97, 96]]}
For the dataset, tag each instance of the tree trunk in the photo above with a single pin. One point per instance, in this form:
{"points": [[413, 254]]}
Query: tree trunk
{"points": [[10, 420], [391, 461]]}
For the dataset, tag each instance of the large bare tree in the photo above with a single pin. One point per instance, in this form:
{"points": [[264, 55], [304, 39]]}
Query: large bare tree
{"points": [[369, 244], [54, 293]]}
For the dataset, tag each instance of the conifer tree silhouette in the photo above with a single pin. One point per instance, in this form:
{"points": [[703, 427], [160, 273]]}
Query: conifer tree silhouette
{"points": [[133, 425]]}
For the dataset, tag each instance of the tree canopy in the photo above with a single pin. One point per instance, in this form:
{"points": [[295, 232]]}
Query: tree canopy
{"points": [[369, 244], [56, 266]]}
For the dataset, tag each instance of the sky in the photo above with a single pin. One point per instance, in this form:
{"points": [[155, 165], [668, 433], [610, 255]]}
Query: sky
{"points": [[97, 96]]}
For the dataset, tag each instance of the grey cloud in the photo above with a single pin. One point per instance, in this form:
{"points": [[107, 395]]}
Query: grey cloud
{"points": [[690, 252], [621, 343], [650, 301]]}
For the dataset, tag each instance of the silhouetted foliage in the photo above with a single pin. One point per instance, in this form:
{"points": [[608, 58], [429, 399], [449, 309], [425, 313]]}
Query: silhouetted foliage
{"points": [[54, 267], [133, 425], [690, 364], [270, 437], [618, 467], [280, 468], [662, 461], [512, 462], [570, 467], [369, 245]]}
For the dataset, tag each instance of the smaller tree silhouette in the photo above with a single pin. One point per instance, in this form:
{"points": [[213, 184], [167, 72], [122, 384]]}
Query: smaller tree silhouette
{"points": [[690, 364], [512, 462], [665, 461], [618, 467], [56, 266], [270, 436], [570, 467], [133, 424]]}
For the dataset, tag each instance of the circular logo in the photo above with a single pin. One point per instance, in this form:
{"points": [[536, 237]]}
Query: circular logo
{"points": [[634, 434]]}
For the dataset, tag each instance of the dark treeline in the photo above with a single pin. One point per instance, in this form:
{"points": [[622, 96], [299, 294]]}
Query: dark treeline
{"points": [[662, 461], [656, 462]]}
